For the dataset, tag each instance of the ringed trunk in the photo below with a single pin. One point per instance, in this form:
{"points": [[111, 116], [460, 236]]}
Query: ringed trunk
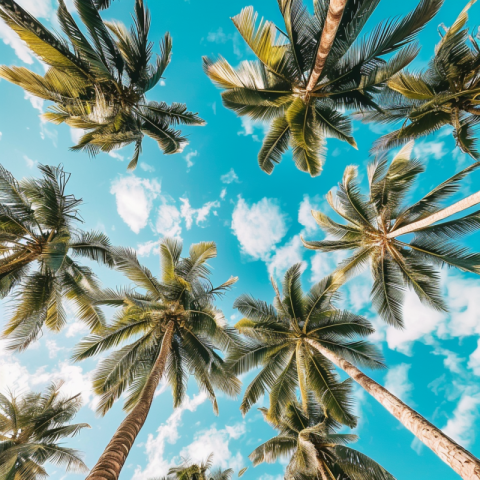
{"points": [[109, 465], [332, 22], [468, 202], [455, 456]]}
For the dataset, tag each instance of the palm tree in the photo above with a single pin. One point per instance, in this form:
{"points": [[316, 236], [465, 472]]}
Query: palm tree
{"points": [[98, 84], [445, 93], [175, 331], [301, 339], [374, 224], [315, 449], [31, 428], [199, 471], [307, 75], [278, 343], [37, 229]]}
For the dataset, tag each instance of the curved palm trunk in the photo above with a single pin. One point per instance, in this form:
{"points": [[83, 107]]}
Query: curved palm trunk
{"points": [[459, 459], [332, 22], [110, 464], [468, 202]]}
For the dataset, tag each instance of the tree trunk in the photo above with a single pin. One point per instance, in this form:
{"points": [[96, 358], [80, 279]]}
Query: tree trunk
{"points": [[323, 471], [459, 459], [334, 17], [436, 217], [111, 462]]}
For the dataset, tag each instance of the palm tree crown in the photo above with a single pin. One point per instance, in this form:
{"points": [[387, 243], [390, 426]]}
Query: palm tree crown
{"points": [[372, 223], [310, 440], [274, 88], [198, 471], [183, 300], [278, 339], [445, 93], [98, 82], [31, 428], [37, 228]]}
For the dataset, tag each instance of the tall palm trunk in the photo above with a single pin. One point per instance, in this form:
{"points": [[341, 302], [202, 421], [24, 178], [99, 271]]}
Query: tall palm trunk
{"points": [[459, 459], [332, 22], [323, 471], [436, 217], [111, 462]]}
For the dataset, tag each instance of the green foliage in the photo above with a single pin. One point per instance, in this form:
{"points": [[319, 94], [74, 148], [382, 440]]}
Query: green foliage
{"points": [[395, 264], [39, 243], [277, 342], [98, 83], [445, 93], [31, 428], [308, 436], [183, 296], [274, 87]]}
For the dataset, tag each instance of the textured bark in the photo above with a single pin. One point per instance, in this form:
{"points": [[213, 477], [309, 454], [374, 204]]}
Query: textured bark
{"points": [[323, 471], [455, 456], [110, 464], [332, 22], [436, 217]]}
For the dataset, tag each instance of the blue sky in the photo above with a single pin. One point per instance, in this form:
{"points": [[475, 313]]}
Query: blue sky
{"points": [[214, 190]]}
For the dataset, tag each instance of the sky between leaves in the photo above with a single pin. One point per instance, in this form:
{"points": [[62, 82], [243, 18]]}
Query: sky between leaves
{"points": [[214, 190]]}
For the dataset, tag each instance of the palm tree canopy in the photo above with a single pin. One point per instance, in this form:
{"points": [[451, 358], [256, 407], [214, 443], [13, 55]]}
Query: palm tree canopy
{"points": [[277, 342], [39, 247], [31, 428], [445, 93], [185, 296], [273, 88], [309, 438], [396, 264], [98, 80]]}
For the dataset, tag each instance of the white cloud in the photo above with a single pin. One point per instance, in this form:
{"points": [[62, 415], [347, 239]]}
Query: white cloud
{"points": [[305, 217], [433, 148], [76, 328], [201, 214], [249, 126], [169, 221], [53, 348], [146, 167], [216, 442], [188, 157], [145, 249], [258, 227], [76, 134], [134, 198], [223, 193], [397, 382], [114, 154], [424, 324], [157, 465], [219, 36], [230, 177], [286, 256], [30, 163], [461, 426], [37, 103], [474, 360], [324, 264], [9, 37]]}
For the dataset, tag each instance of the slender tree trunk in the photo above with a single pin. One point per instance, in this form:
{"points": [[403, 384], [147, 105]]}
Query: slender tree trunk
{"points": [[334, 17], [323, 471], [112, 459], [436, 217], [459, 459]]}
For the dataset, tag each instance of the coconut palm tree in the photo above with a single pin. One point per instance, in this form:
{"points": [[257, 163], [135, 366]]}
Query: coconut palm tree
{"points": [[310, 440], [199, 471], [98, 84], [445, 93], [39, 246], [174, 331], [375, 222], [31, 428], [306, 76], [300, 340], [277, 341]]}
